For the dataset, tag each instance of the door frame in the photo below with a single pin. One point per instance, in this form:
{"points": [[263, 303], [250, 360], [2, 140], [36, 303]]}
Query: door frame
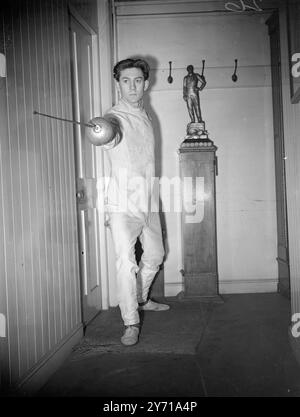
{"points": [[4, 329], [99, 168], [273, 24]]}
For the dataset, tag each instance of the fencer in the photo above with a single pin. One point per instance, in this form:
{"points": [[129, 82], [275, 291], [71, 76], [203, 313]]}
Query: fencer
{"points": [[130, 196]]}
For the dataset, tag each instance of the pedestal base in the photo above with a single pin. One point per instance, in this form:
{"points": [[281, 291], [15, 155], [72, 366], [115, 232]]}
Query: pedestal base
{"points": [[216, 299], [189, 145], [201, 284]]}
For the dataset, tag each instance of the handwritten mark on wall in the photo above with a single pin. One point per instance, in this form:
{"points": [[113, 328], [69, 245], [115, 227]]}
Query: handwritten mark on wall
{"points": [[243, 5]]}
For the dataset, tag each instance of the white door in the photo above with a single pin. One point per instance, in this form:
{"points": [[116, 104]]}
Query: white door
{"points": [[83, 75]]}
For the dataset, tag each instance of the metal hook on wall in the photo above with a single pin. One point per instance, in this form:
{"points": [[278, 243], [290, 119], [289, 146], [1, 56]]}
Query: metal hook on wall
{"points": [[170, 78], [234, 76]]}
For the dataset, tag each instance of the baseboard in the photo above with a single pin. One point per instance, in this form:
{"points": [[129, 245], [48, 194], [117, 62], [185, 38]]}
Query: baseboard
{"points": [[43, 370], [173, 288], [244, 286], [234, 286], [295, 344]]}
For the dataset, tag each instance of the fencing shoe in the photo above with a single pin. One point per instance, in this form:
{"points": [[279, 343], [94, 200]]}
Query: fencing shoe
{"points": [[153, 306], [131, 335]]}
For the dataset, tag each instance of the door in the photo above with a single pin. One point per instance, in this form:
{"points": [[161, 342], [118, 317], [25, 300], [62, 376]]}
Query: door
{"points": [[84, 70], [282, 225]]}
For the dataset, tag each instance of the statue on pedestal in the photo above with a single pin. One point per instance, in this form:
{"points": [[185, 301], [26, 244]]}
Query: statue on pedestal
{"points": [[195, 129]]}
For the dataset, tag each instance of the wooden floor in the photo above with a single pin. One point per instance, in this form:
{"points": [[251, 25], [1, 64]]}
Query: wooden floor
{"points": [[241, 348], [236, 349]]}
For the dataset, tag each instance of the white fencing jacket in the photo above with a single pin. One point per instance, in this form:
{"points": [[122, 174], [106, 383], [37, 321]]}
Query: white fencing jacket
{"points": [[130, 187]]}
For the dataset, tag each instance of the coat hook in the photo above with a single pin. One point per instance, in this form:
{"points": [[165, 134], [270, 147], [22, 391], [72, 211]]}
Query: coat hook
{"points": [[234, 76], [170, 78]]}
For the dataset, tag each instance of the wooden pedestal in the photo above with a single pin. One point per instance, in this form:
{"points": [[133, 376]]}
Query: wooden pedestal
{"points": [[198, 164]]}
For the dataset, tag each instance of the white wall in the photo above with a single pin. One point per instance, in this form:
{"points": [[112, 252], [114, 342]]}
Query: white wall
{"points": [[239, 119]]}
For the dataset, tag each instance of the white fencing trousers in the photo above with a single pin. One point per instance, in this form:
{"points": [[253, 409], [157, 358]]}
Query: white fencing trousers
{"points": [[132, 288]]}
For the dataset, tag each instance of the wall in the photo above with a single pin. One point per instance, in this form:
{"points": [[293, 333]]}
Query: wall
{"points": [[39, 280], [238, 118]]}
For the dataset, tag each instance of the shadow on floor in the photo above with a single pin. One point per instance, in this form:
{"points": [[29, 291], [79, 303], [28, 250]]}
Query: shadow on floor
{"points": [[235, 349]]}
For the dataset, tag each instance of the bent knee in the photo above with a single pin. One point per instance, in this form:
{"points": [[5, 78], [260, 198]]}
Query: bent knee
{"points": [[154, 259]]}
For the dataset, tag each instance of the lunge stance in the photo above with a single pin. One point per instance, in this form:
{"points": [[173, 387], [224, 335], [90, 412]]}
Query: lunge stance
{"points": [[130, 195]]}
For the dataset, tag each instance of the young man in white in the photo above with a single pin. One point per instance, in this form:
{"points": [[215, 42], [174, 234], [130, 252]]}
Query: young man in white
{"points": [[130, 196]]}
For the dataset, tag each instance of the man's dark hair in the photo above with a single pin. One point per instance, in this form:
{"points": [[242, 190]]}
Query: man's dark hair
{"points": [[131, 63], [190, 68]]}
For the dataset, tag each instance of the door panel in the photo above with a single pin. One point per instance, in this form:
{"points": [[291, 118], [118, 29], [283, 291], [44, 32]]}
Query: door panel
{"points": [[82, 82]]}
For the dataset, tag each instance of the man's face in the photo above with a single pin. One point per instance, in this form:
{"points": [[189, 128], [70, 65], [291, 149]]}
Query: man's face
{"points": [[132, 85]]}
